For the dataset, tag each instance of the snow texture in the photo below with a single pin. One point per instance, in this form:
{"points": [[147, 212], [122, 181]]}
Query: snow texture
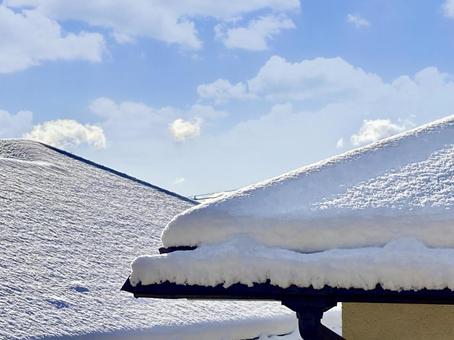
{"points": [[69, 229], [402, 264], [402, 186], [382, 214]]}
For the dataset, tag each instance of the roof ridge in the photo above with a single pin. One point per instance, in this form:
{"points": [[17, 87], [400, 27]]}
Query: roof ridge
{"points": [[118, 173]]}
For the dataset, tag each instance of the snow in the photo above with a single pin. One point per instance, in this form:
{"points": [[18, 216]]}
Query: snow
{"points": [[247, 328], [69, 230], [382, 214], [402, 264], [399, 187]]}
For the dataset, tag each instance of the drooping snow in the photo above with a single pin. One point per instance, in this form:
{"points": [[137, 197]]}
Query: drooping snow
{"points": [[402, 264], [399, 187], [68, 232]]}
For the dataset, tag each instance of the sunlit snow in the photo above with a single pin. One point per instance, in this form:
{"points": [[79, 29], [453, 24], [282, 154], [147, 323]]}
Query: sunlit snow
{"points": [[69, 231], [382, 214]]}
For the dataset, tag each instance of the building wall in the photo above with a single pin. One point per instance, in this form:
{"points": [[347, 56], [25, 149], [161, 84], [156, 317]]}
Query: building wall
{"points": [[365, 321]]}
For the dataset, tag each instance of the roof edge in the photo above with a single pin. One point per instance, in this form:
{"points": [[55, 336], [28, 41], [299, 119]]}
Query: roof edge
{"points": [[118, 173]]}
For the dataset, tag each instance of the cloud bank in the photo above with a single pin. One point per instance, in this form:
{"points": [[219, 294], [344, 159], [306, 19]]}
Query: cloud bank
{"points": [[29, 38], [168, 21]]}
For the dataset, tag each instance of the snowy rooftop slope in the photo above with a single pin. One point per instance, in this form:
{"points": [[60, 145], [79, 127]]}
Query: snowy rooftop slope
{"points": [[68, 230], [399, 187]]}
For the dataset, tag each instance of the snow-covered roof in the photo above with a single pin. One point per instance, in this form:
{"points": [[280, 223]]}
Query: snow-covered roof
{"points": [[402, 264], [69, 229], [401, 186], [382, 214]]}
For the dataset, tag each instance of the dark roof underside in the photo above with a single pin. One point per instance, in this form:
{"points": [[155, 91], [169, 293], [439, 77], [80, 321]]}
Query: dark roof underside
{"points": [[266, 291]]}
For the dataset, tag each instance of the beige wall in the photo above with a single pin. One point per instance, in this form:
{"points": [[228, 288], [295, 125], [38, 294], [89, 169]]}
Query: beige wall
{"points": [[363, 321]]}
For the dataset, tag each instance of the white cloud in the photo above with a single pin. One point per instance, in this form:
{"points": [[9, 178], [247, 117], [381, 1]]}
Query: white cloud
{"points": [[319, 78], [168, 21], [28, 38], [323, 81], [183, 129], [256, 34], [373, 130], [14, 125], [67, 134], [357, 21], [222, 90], [313, 79], [340, 143], [179, 180], [448, 8]]}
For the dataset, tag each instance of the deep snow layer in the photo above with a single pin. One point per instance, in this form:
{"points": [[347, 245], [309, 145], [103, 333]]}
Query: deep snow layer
{"points": [[68, 232], [399, 187], [403, 264]]}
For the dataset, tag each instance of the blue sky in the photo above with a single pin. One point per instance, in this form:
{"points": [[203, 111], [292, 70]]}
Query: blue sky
{"points": [[200, 96]]}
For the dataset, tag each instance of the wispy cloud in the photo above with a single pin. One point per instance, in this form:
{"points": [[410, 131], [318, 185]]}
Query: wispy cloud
{"points": [[222, 90], [256, 34], [179, 180], [340, 143], [448, 8], [14, 125], [357, 21]]}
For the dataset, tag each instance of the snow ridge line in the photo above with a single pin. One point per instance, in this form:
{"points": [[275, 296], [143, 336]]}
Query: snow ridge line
{"points": [[118, 173]]}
